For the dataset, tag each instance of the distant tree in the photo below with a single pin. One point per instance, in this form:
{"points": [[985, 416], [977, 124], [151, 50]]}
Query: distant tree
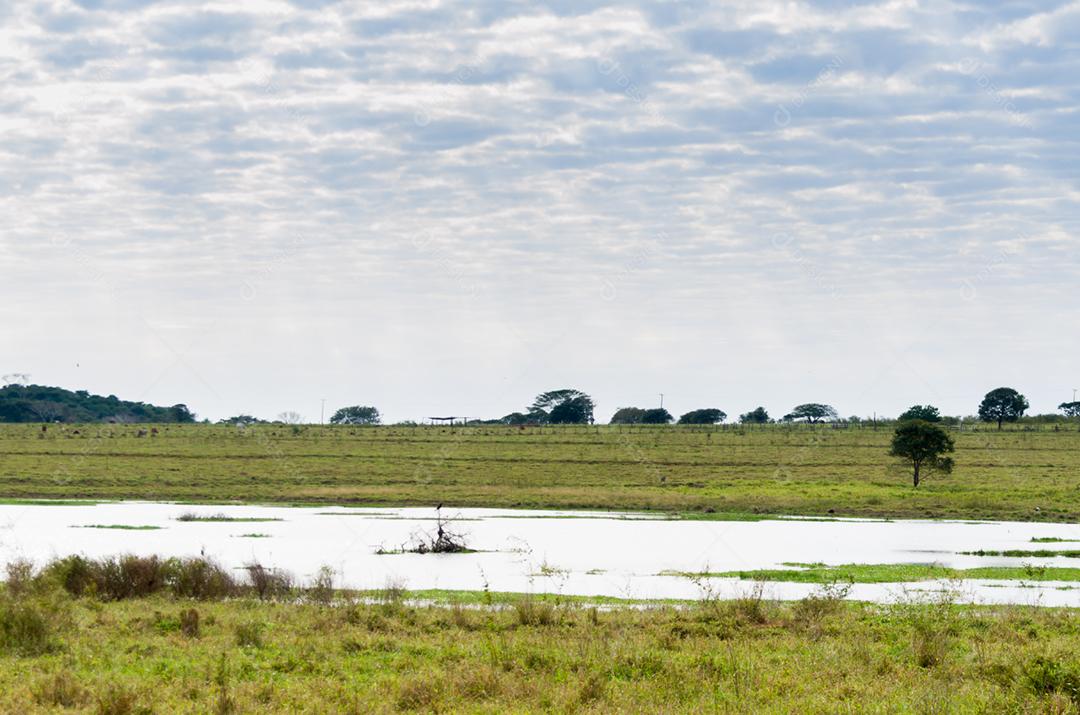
{"points": [[356, 415], [926, 413], [756, 416], [514, 418], [922, 444], [656, 416], [1002, 405], [704, 416], [1071, 409], [181, 413], [565, 406], [812, 412], [627, 416], [290, 418], [854, 420], [242, 421]]}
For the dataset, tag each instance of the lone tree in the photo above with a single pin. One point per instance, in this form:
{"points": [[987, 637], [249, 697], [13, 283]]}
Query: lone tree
{"points": [[812, 412], [356, 415], [1071, 409], [756, 416], [565, 406], [705, 416], [922, 444], [926, 413], [656, 416], [1002, 405], [627, 416]]}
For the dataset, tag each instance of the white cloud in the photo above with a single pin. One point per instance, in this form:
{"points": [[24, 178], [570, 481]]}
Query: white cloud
{"points": [[334, 195]]}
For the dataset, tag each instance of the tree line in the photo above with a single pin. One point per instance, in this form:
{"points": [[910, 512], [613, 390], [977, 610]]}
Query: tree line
{"points": [[38, 403]]}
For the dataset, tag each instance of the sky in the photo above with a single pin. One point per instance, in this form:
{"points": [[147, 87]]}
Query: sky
{"points": [[445, 208]]}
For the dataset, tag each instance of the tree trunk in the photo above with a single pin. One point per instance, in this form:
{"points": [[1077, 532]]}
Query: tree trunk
{"points": [[917, 465], [999, 423]]}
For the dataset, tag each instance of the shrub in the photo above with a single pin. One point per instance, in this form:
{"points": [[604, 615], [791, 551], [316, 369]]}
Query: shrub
{"points": [[268, 583], [75, 574], [249, 635], [533, 612], [129, 577], [321, 590], [189, 623], [60, 690], [202, 579], [118, 700], [1046, 676], [25, 627], [20, 576]]}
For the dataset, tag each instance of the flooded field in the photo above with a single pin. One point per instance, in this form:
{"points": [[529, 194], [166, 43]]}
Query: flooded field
{"points": [[575, 553]]}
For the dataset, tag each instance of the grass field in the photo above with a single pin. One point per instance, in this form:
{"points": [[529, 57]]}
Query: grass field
{"points": [[165, 654], [1024, 475]]}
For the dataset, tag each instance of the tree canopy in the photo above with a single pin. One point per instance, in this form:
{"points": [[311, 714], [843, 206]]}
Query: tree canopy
{"points": [[38, 403], [566, 406], [922, 444], [1002, 405], [812, 412], [757, 416], [656, 416], [1071, 409], [704, 416], [926, 413], [627, 416], [356, 415]]}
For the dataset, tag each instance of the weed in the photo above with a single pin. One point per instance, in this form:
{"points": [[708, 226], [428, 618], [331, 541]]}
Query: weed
{"points": [[531, 611], [249, 635], [60, 690], [189, 623], [26, 627], [321, 590]]}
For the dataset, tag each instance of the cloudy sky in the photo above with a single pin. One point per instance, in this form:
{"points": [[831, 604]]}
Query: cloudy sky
{"points": [[447, 207]]}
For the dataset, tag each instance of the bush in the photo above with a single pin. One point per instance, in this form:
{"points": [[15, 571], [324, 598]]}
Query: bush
{"points": [[201, 578], [129, 577], [249, 635], [268, 583], [20, 576], [1046, 676], [189, 623], [321, 590], [533, 612], [75, 574], [60, 690], [25, 627]]}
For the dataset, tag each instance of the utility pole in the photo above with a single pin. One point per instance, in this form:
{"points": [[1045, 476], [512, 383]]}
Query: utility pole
{"points": [[661, 400], [322, 412]]}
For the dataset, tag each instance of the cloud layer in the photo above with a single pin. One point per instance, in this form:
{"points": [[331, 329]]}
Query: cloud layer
{"points": [[450, 206]]}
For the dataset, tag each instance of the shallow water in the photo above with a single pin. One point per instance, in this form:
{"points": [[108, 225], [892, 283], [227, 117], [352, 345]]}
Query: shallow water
{"points": [[580, 553]]}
